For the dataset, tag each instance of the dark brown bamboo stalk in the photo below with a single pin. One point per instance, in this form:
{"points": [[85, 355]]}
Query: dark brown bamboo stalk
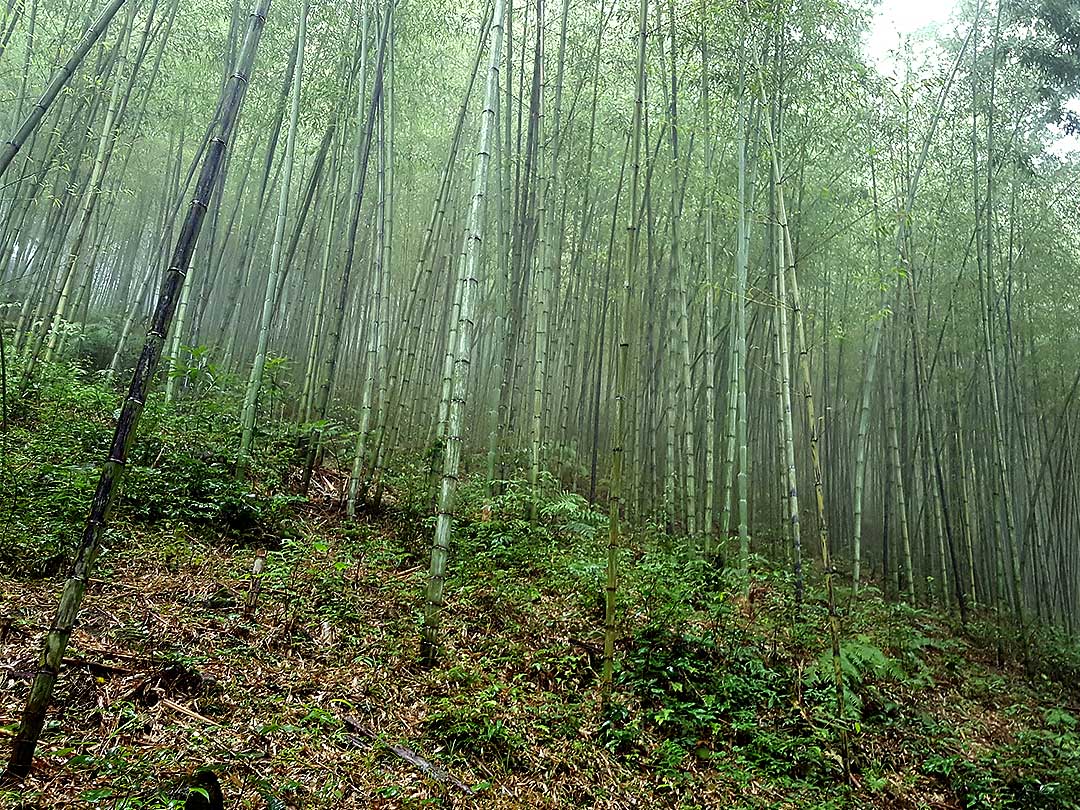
{"points": [[56, 641]]}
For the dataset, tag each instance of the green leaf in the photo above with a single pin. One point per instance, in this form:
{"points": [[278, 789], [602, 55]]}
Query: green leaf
{"points": [[97, 794]]}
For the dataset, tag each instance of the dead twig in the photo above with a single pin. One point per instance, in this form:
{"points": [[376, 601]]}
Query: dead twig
{"points": [[424, 766], [256, 582], [176, 707], [82, 662]]}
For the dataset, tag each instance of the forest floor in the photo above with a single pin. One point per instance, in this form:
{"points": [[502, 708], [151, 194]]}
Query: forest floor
{"points": [[316, 698]]}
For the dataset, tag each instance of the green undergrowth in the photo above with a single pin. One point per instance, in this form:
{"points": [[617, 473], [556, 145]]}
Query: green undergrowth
{"points": [[180, 473], [718, 675], [724, 692]]}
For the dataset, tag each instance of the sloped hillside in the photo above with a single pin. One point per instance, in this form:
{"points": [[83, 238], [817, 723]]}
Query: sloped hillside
{"points": [[302, 688]]}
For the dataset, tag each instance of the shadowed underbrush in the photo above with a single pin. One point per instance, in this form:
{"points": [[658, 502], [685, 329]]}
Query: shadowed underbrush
{"points": [[723, 689]]}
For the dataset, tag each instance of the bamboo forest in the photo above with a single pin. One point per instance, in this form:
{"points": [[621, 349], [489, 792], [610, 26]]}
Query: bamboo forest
{"points": [[540, 404]]}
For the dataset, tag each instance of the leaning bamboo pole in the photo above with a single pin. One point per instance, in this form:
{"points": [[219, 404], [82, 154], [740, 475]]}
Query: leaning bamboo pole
{"points": [[56, 641]]}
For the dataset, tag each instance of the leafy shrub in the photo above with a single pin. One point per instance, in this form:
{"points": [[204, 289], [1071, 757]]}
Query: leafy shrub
{"points": [[179, 470], [471, 728], [1045, 765], [975, 784], [864, 667], [95, 344], [1055, 655], [499, 533], [693, 687]]}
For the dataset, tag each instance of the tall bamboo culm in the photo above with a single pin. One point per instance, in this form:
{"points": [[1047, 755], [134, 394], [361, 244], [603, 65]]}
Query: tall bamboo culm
{"points": [[37, 703]]}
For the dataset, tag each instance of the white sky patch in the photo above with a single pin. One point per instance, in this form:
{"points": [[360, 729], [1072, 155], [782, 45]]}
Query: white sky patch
{"points": [[897, 20], [1066, 145]]}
